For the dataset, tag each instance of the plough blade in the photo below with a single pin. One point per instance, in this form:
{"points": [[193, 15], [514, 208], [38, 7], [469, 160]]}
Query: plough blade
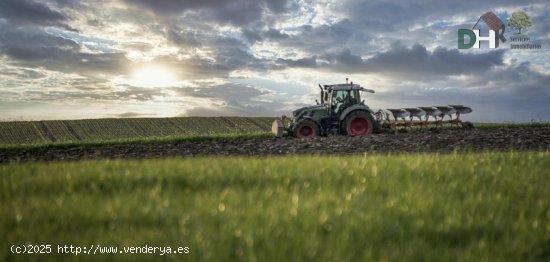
{"points": [[431, 111], [416, 112], [462, 109], [399, 113], [446, 110]]}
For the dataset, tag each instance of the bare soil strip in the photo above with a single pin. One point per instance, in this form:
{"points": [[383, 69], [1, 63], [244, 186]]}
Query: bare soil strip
{"points": [[443, 140]]}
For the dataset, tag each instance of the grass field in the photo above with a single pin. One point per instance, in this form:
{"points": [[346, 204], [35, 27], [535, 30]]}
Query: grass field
{"points": [[440, 207], [128, 129]]}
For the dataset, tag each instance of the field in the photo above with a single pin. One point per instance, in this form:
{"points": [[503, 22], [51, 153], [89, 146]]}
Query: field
{"points": [[479, 206], [127, 129], [228, 191], [489, 138], [93, 132]]}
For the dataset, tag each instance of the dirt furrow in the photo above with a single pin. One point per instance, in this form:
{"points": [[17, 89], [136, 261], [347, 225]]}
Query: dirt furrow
{"points": [[444, 140]]}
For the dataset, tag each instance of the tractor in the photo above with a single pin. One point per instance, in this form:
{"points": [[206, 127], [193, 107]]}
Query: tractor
{"points": [[340, 111]]}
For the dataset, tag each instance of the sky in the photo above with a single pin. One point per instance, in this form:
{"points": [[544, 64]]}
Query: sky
{"points": [[80, 59]]}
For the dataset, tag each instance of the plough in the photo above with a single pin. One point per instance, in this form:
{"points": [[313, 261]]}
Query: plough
{"points": [[434, 116]]}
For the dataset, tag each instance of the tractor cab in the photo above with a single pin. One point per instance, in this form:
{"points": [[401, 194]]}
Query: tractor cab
{"points": [[339, 97]]}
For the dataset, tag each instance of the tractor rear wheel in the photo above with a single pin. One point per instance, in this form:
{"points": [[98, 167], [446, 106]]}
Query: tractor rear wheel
{"points": [[358, 123], [305, 128]]}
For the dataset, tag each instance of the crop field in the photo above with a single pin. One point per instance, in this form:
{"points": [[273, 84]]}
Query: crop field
{"points": [[99, 130], [470, 207]]}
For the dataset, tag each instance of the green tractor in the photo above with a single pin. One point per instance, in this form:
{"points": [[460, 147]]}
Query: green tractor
{"points": [[340, 111]]}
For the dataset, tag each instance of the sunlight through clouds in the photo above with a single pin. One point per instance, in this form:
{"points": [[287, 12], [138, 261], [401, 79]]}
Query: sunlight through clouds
{"points": [[153, 76]]}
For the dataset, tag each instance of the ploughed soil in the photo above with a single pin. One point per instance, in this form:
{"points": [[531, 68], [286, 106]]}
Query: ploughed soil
{"points": [[439, 140]]}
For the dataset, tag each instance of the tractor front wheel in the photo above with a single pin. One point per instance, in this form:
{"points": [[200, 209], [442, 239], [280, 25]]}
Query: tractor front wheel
{"points": [[358, 123], [305, 129]]}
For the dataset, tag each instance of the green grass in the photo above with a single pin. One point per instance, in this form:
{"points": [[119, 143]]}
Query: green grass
{"points": [[132, 141], [533, 124], [439, 207]]}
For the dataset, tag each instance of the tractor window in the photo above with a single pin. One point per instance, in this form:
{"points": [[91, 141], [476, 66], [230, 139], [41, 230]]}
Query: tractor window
{"points": [[342, 99], [354, 97], [339, 98]]}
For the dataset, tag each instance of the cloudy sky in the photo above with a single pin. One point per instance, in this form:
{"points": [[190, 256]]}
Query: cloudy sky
{"points": [[74, 59]]}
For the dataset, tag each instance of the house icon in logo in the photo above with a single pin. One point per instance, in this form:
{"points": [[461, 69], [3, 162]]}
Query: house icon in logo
{"points": [[496, 33]]}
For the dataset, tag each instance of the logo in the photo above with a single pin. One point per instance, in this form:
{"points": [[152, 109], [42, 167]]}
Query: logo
{"points": [[496, 33], [519, 20]]}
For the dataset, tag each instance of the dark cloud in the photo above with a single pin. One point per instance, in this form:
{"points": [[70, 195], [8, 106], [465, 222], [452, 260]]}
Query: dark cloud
{"points": [[237, 12], [418, 60], [231, 99], [367, 27], [229, 93], [252, 36], [228, 54], [178, 6], [275, 34], [232, 54], [541, 24], [278, 6], [183, 39], [394, 16], [28, 11], [322, 38], [347, 59], [518, 80], [33, 47], [415, 62], [22, 73], [514, 92]]}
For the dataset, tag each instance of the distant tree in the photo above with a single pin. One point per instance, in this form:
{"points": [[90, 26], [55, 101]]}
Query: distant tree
{"points": [[519, 20]]}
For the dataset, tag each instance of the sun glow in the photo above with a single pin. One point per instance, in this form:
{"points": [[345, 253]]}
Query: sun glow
{"points": [[153, 76]]}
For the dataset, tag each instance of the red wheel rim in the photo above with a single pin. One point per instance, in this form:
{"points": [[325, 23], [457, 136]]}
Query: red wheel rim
{"points": [[306, 131], [359, 126]]}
